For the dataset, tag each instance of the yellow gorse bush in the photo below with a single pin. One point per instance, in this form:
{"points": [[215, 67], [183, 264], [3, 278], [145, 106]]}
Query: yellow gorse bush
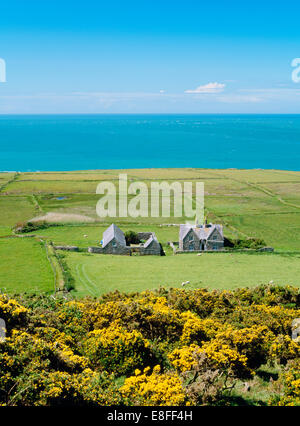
{"points": [[196, 329], [146, 348], [291, 380], [283, 348], [153, 389], [220, 356], [11, 310], [115, 348], [184, 359]]}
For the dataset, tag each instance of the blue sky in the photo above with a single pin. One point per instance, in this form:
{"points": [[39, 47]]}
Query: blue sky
{"points": [[155, 56]]}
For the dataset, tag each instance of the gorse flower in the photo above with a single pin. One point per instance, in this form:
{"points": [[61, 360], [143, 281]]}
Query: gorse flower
{"points": [[166, 347], [116, 349], [153, 389]]}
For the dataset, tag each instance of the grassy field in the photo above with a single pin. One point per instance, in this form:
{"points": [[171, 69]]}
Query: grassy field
{"points": [[97, 274], [281, 231], [16, 209], [24, 266], [249, 203]]}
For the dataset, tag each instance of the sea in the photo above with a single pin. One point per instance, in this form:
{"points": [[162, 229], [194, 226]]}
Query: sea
{"points": [[121, 141]]}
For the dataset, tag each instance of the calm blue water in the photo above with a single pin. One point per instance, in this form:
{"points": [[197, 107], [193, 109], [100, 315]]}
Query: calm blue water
{"points": [[77, 142]]}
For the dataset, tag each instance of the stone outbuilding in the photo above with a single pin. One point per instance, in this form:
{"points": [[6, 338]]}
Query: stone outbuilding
{"points": [[114, 242]]}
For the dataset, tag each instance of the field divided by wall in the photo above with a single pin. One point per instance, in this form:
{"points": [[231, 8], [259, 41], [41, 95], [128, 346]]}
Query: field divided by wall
{"points": [[249, 203]]}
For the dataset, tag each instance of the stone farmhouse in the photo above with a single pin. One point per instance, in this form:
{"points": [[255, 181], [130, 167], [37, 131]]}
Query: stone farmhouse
{"points": [[201, 237], [114, 242]]}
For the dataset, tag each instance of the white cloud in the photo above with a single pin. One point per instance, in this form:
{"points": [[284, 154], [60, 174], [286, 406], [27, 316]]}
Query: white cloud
{"points": [[208, 88]]}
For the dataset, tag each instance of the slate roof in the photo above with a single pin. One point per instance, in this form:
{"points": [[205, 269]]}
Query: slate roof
{"points": [[183, 230], [113, 232], [202, 232], [150, 239]]}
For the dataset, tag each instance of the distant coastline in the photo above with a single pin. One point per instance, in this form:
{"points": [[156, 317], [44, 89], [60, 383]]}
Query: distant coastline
{"points": [[73, 142], [139, 168]]}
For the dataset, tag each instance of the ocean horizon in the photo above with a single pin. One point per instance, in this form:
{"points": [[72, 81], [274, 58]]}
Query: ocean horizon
{"points": [[66, 142]]}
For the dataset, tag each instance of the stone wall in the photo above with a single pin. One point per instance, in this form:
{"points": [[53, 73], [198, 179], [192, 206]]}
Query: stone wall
{"points": [[267, 249], [211, 244], [152, 249], [68, 248], [98, 250], [114, 247], [110, 249], [198, 245]]}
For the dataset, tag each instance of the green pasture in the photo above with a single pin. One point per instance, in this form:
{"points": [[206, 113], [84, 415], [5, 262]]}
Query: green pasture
{"points": [[50, 186], [15, 209], [249, 203], [97, 274], [281, 231], [70, 176], [24, 266]]}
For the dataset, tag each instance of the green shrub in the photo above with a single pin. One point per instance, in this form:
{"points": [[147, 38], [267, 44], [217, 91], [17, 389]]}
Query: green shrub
{"points": [[251, 243], [24, 227], [132, 237]]}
